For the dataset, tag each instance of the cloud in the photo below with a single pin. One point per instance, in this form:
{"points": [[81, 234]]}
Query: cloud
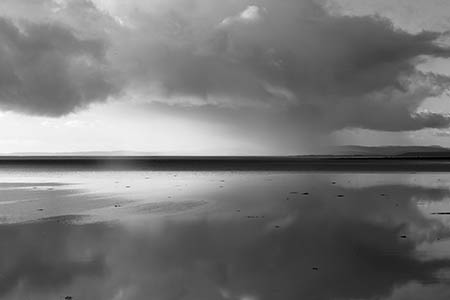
{"points": [[291, 57], [293, 62], [250, 15], [47, 69], [414, 15]]}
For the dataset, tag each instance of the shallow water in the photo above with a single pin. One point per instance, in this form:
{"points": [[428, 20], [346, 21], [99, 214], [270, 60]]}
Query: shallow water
{"points": [[223, 235]]}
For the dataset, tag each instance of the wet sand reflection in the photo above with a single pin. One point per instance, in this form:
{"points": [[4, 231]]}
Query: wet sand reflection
{"points": [[372, 243]]}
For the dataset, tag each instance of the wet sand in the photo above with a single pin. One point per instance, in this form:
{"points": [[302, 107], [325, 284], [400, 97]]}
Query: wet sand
{"points": [[146, 234]]}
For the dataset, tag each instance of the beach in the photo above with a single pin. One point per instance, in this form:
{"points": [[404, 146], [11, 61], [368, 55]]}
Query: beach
{"points": [[132, 234]]}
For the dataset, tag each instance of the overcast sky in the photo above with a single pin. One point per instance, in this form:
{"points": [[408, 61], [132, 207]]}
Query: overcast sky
{"points": [[222, 77]]}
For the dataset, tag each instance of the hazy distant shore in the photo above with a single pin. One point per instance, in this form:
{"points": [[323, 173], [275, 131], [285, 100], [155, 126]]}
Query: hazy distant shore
{"points": [[210, 163]]}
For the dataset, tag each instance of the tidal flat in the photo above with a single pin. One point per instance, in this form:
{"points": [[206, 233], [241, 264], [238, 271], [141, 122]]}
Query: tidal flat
{"points": [[73, 233]]}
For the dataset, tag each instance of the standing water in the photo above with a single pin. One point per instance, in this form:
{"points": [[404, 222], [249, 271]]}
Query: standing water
{"points": [[78, 234]]}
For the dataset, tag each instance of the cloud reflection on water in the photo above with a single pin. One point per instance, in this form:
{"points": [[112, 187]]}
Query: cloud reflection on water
{"points": [[316, 246]]}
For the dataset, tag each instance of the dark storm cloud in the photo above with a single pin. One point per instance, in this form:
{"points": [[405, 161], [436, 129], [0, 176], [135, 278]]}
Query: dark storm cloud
{"points": [[47, 69], [306, 67], [292, 62]]}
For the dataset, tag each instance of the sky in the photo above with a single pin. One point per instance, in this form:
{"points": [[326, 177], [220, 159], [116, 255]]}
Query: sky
{"points": [[229, 77]]}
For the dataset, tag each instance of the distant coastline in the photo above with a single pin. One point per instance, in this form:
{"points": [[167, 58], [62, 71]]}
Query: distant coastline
{"points": [[417, 162]]}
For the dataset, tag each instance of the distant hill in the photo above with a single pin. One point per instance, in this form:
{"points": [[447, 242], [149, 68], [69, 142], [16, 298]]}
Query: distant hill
{"points": [[420, 151], [85, 153], [340, 151]]}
